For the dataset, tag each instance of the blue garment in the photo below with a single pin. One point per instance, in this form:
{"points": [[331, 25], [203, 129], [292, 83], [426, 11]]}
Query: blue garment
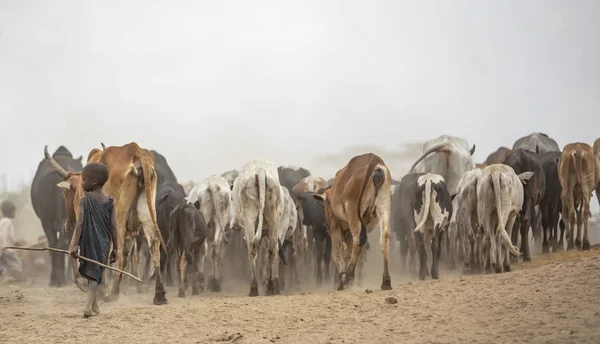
{"points": [[95, 236]]}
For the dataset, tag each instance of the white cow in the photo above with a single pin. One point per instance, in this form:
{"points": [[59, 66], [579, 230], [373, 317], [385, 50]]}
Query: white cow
{"points": [[432, 212], [464, 222], [500, 193], [289, 230], [258, 199], [448, 156], [214, 197]]}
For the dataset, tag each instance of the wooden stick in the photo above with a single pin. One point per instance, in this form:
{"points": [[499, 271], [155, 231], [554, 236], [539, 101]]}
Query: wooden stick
{"points": [[78, 256]]}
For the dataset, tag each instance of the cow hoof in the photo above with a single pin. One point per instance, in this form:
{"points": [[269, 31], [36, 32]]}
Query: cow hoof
{"points": [[545, 249], [586, 245], [160, 299], [435, 275], [182, 293], [578, 243], [386, 284], [506, 267], [498, 269], [253, 291], [216, 287], [196, 290], [526, 258], [270, 288]]}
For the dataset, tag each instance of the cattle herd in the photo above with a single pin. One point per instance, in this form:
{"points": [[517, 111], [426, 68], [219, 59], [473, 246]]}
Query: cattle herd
{"points": [[279, 225]]}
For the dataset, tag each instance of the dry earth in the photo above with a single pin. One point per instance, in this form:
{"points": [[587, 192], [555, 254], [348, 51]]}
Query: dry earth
{"points": [[554, 299]]}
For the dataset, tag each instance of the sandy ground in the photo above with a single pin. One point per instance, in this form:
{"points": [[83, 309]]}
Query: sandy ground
{"points": [[554, 299]]}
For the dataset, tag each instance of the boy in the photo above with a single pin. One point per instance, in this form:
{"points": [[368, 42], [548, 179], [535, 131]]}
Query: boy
{"points": [[96, 227], [10, 263]]}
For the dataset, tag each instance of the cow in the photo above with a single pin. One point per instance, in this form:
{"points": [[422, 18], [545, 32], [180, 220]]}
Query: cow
{"points": [[500, 193], [464, 222], [132, 183], [579, 173], [537, 142], [310, 183], [230, 176], [521, 160], [550, 205], [258, 201], [448, 156], [497, 157], [596, 148], [291, 175], [188, 234], [480, 166], [169, 193], [432, 212], [402, 219], [212, 196], [312, 214], [49, 206], [358, 201]]}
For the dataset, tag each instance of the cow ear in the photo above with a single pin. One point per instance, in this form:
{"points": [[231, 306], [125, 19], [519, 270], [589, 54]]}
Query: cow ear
{"points": [[80, 158], [163, 197], [319, 197], [472, 149], [64, 184], [525, 176]]}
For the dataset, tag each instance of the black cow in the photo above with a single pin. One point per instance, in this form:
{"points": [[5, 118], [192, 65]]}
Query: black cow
{"points": [[188, 233], [169, 193], [49, 206], [313, 216], [290, 176], [402, 218], [522, 160], [551, 204]]}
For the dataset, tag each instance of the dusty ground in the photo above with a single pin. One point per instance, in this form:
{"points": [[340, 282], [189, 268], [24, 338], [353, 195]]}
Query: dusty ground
{"points": [[555, 299]]}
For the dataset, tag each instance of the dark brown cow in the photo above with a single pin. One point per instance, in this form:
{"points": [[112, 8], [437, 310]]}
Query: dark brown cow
{"points": [[497, 157], [597, 155], [578, 172], [132, 183], [358, 201]]}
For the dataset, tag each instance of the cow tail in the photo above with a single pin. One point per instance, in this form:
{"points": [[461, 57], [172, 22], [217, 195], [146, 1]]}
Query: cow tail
{"points": [[261, 181], [426, 206], [218, 214], [363, 187], [148, 173], [577, 159], [501, 229]]}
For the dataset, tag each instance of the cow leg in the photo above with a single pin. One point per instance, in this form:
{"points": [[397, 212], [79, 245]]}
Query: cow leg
{"points": [[154, 245], [51, 236], [135, 262], [509, 224], [403, 252], [327, 257], [545, 228], [579, 227], [436, 249], [383, 213], [61, 259], [273, 264], [335, 232], [252, 256], [320, 252], [198, 273], [182, 274], [586, 215], [420, 242]]}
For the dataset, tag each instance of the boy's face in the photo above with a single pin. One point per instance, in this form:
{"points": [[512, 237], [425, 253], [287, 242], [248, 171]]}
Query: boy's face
{"points": [[88, 183]]}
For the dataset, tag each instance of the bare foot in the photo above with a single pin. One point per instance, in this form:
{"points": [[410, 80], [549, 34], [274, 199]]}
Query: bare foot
{"points": [[87, 313], [95, 308]]}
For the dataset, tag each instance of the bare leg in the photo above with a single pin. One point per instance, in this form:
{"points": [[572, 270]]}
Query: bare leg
{"points": [[91, 298]]}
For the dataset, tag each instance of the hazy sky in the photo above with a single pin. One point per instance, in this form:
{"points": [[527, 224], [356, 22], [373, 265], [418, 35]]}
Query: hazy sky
{"points": [[211, 85]]}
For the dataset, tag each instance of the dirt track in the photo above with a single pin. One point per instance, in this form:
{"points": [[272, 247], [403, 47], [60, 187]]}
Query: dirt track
{"points": [[555, 299]]}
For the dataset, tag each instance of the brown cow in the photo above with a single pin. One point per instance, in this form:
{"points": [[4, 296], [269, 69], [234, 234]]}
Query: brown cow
{"points": [[310, 184], [497, 157], [132, 183], [597, 155], [480, 166], [578, 173], [358, 201]]}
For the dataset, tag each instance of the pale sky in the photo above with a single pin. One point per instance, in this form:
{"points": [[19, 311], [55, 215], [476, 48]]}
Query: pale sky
{"points": [[211, 85]]}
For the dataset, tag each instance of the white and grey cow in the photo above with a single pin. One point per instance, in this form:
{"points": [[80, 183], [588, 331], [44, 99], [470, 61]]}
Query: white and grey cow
{"points": [[432, 212], [500, 198], [258, 199], [289, 236], [212, 196], [464, 222]]}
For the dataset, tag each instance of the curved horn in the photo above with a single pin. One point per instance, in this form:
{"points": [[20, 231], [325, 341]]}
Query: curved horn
{"points": [[103, 146], [55, 166]]}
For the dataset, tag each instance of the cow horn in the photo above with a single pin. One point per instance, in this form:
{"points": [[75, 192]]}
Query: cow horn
{"points": [[55, 166], [103, 146]]}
